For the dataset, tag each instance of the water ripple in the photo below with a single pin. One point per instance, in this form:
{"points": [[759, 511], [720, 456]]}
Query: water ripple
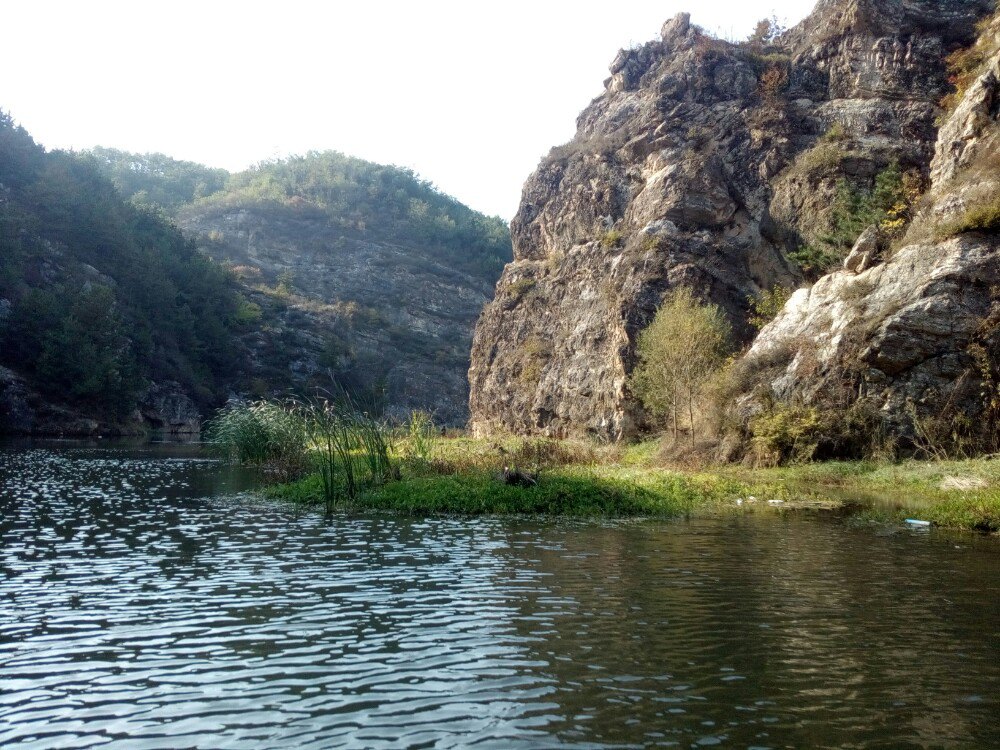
{"points": [[144, 603]]}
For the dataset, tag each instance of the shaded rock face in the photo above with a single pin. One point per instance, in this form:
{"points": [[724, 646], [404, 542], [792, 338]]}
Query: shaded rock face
{"points": [[703, 164], [166, 408], [918, 335], [392, 325], [16, 414]]}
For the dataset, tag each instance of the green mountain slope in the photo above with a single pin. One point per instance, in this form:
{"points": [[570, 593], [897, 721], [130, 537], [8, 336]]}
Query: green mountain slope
{"points": [[358, 198], [100, 297], [321, 271]]}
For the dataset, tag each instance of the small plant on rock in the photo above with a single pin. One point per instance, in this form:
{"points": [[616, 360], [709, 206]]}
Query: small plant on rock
{"points": [[611, 238], [764, 307]]}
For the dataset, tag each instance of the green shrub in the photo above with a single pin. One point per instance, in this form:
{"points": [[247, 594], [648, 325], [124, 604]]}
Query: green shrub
{"points": [[785, 434], [835, 134], [814, 261], [650, 242], [247, 312], [611, 238], [678, 353], [886, 204], [765, 306]]}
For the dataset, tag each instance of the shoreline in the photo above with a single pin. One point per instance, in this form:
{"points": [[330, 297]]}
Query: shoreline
{"points": [[460, 478]]}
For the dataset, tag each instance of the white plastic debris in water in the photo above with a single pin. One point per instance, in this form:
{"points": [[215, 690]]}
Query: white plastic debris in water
{"points": [[916, 522]]}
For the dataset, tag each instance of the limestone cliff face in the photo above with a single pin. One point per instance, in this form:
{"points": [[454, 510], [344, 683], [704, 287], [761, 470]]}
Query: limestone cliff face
{"points": [[387, 323], [918, 335], [703, 164]]}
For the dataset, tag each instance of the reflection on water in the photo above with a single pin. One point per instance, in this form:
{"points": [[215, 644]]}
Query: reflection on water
{"points": [[145, 604]]}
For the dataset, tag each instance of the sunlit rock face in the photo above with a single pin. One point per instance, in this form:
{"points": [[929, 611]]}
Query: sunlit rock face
{"points": [[918, 334], [700, 165]]}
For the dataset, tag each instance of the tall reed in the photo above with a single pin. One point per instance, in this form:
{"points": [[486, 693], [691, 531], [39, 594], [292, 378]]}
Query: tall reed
{"points": [[422, 434], [352, 449], [348, 449], [264, 434]]}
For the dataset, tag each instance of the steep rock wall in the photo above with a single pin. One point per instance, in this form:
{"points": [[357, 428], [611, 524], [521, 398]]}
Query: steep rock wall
{"points": [[917, 336], [698, 166], [390, 324]]}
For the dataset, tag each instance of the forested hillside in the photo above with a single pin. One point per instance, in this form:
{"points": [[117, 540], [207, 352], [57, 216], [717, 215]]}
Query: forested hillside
{"points": [[361, 272], [100, 298], [157, 179], [322, 271], [361, 199]]}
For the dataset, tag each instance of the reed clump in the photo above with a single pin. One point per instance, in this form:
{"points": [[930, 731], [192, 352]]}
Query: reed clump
{"points": [[263, 434], [352, 451], [349, 451]]}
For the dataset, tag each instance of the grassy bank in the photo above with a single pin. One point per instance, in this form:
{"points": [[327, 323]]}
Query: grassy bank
{"points": [[954, 494], [461, 476], [584, 491]]}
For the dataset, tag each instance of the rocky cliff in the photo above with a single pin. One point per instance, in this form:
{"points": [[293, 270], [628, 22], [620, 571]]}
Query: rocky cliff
{"points": [[387, 321], [703, 164], [915, 335], [362, 277]]}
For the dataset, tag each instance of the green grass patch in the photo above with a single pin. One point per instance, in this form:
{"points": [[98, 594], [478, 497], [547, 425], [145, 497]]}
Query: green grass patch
{"points": [[611, 492], [952, 494], [459, 476]]}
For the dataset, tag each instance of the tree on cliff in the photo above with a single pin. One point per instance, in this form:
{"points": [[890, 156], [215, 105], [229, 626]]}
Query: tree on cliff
{"points": [[682, 348], [766, 32]]}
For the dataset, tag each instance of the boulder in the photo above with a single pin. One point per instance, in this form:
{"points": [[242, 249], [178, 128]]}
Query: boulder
{"points": [[865, 252]]}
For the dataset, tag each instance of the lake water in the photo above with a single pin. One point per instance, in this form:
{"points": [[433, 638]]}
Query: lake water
{"points": [[145, 603]]}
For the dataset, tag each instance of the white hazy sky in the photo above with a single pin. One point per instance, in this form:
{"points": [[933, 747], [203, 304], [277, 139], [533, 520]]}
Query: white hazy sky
{"points": [[468, 94]]}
